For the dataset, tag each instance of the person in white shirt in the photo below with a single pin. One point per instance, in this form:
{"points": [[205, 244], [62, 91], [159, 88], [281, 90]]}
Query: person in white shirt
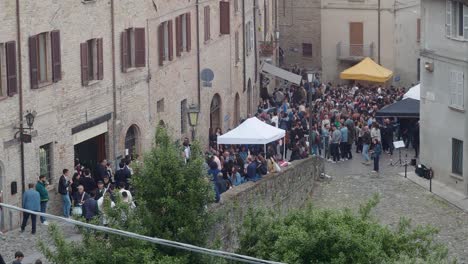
{"points": [[274, 119]]}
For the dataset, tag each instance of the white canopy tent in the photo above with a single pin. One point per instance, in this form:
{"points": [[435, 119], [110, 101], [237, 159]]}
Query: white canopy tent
{"points": [[414, 93], [252, 131]]}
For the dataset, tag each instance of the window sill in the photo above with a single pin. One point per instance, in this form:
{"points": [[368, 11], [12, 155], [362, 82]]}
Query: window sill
{"points": [[88, 1], [93, 82], [461, 39], [43, 85], [457, 109], [132, 69], [456, 176], [4, 97]]}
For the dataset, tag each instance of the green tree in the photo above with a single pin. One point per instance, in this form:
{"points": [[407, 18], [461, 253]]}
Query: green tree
{"points": [[332, 236], [172, 199]]}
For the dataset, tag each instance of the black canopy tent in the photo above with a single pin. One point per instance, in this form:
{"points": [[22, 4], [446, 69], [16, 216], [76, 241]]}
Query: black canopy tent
{"points": [[406, 108]]}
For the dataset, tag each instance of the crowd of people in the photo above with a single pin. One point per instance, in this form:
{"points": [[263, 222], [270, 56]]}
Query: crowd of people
{"points": [[320, 119]]}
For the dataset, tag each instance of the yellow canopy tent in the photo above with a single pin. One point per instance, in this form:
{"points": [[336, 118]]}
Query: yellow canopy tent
{"points": [[367, 70]]}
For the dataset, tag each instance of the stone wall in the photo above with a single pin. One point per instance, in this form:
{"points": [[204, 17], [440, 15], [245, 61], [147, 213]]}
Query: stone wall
{"points": [[282, 192]]}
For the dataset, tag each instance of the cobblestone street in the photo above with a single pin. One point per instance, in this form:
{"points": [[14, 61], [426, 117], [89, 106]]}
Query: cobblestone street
{"points": [[27, 243], [352, 185]]}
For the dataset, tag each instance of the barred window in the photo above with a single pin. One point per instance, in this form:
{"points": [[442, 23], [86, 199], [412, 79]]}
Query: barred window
{"points": [[457, 156]]}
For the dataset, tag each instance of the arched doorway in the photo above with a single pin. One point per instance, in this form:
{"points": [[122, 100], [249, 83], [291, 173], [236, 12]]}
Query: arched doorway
{"points": [[236, 111], [249, 97], [215, 113], [132, 142]]}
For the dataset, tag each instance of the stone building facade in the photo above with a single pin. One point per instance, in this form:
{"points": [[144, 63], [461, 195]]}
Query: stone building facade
{"points": [[444, 64], [300, 33], [102, 74]]}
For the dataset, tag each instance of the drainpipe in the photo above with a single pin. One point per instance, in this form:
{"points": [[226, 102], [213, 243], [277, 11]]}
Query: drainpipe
{"points": [[378, 31], [198, 55], [276, 30], [244, 73], [114, 86], [20, 94], [255, 39]]}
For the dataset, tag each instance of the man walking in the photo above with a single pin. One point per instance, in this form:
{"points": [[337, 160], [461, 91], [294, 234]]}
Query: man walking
{"points": [[63, 188], [366, 141], [41, 188], [32, 202]]}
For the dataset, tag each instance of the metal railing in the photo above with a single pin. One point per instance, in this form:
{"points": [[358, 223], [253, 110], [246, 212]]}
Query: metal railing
{"points": [[354, 52]]}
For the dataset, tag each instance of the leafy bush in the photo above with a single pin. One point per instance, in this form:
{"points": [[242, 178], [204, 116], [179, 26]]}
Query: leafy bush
{"points": [[330, 236]]}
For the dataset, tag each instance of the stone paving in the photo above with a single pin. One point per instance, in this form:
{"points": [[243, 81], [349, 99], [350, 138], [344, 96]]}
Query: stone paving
{"points": [[25, 242], [353, 184]]}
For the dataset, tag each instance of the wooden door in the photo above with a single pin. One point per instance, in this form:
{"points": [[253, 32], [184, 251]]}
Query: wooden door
{"points": [[356, 39]]}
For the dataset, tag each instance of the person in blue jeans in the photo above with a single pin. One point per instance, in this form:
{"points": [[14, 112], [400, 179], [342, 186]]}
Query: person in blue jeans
{"points": [[366, 142], [41, 187], [376, 154], [63, 188]]}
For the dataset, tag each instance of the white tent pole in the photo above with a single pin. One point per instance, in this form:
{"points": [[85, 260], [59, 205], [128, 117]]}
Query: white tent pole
{"points": [[264, 149]]}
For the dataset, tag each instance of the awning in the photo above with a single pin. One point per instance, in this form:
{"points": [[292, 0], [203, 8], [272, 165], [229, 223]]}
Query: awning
{"points": [[414, 93], [367, 70], [407, 108], [280, 73]]}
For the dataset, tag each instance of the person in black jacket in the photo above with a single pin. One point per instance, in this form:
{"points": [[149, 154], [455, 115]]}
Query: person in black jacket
{"points": [[63, 189], [88, 182], [122, 175], [416, 140], [2, 261], [101, 171]]}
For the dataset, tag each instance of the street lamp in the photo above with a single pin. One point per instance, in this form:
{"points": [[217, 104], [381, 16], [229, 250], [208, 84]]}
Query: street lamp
{"points": [[193, 112], [26, 137], [30, 116]]}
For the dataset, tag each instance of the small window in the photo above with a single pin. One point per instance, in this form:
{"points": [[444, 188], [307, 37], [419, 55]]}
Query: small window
{"points": [[183, 116], [91, 61], [133, 48], [418, 30], [8, 69], [248, 37], [44, 58], [225, 18], [457, 19], [45, 161], [307, 49], [457, 156], [160, 106]]}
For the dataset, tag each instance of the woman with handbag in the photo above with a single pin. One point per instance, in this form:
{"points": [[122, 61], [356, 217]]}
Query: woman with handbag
{"points": [[78, 200]]}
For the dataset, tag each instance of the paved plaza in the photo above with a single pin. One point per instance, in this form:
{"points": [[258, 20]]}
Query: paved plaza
{"points": [[353, 184]]}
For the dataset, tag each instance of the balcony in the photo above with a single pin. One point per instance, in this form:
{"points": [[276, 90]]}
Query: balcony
{"points": [[353, 52]]}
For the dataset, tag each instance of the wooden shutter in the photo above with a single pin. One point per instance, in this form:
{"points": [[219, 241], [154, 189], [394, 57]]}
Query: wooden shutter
{"points": [[140, 47], [171, 40], [33, 62], [189, 31], [11, 68], [56, 56], [84, 63], [100, 59], [161, 44], [224, 17], [448, 18], [178, 23], [124, 44]]}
